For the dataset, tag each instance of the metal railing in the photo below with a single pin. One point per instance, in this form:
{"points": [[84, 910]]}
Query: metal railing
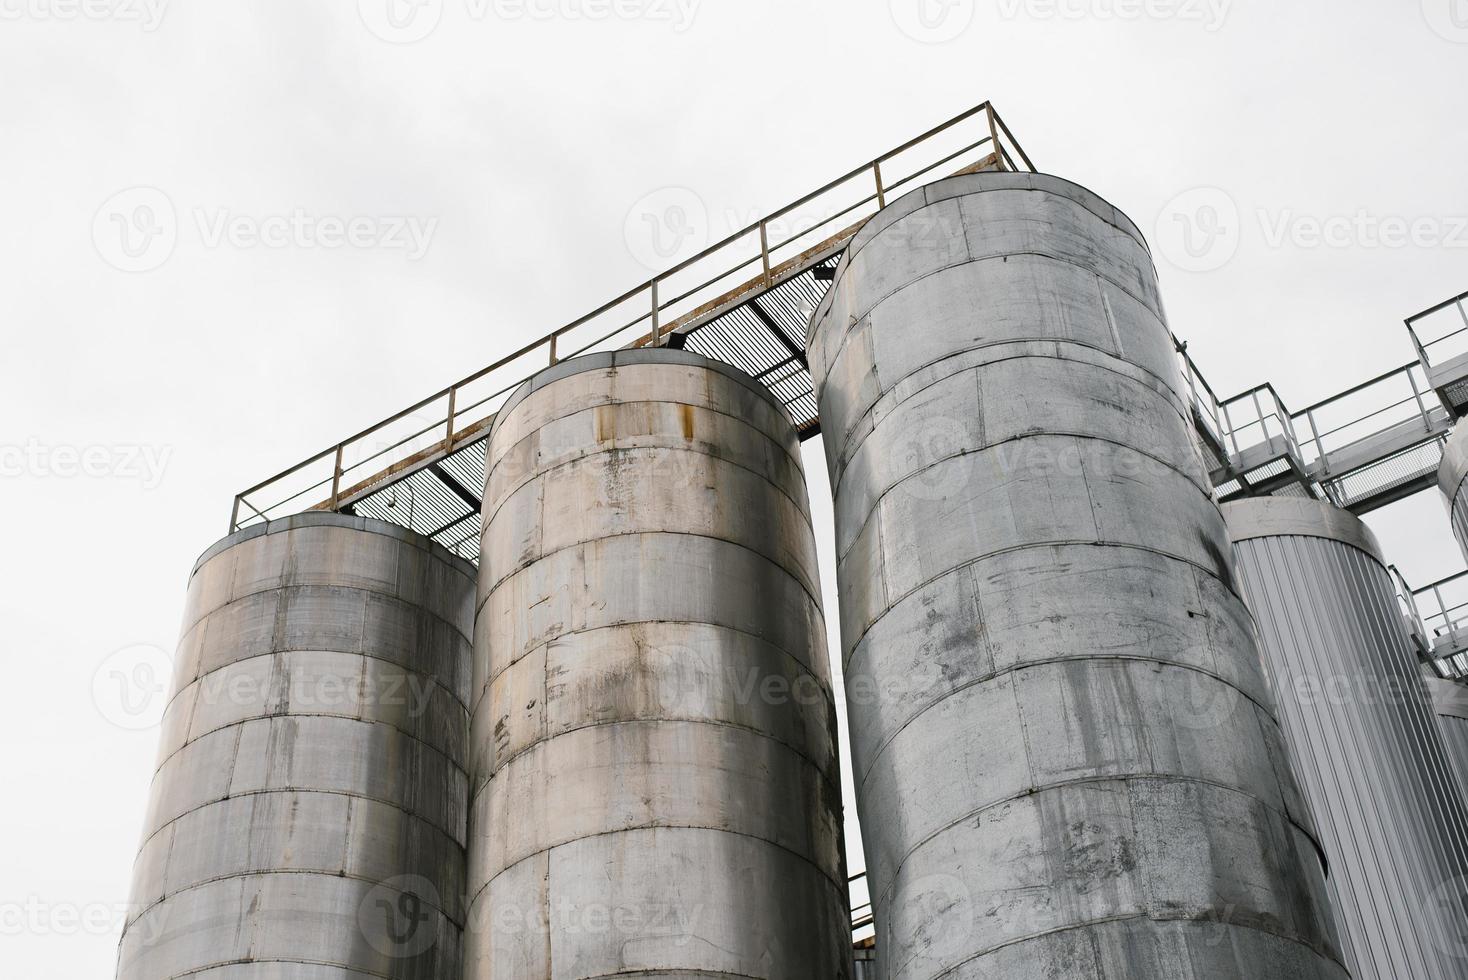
{"points": [[1257, 417], [1207, 409], [1444, 606], [1440, 333], [1342, 441], [755, 259]]}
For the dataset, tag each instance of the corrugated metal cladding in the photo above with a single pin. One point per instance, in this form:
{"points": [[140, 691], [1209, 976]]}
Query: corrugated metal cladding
{"points": [[1452, 477], [1363, 736], [1450, 700], [656, 790], [1066, 757], [307, 817]]}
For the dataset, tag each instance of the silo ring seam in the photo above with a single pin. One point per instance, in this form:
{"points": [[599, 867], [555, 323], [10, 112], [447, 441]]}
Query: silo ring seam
{"points": [[824, 684], [850, 448], [821, 770], [416, 607], [1029, 546], [1127, 778], [277, 872], [853, 319], [877, 503], [301, 789], [641, 828], [432, 678], [306, 714], [815, 601], [882, 747], [638, 449]]}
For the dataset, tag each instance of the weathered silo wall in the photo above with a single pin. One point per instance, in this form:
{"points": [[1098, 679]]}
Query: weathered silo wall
{"points": [[1452, 478], [656, 790], [1450, 702], [308, 813], [1066, 754], [1362, 734]]}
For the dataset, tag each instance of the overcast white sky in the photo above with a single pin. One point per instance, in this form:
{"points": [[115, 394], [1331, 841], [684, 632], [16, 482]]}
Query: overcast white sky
{"points": [[517, 136]]}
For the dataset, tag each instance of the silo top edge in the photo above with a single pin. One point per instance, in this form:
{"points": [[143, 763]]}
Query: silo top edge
{"points": [[1454, 469], [1273, 517], [320, 518], [964, 185], [623, 358]]}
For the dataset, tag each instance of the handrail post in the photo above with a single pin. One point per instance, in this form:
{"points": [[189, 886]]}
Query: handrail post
{"points": [[1228, 422], [336, 476], [553, 338], [656, 324], [994, 135], [881, 191], [448, 436], [234, 516], [764, 244], [1320, 456], [1421, 406]]}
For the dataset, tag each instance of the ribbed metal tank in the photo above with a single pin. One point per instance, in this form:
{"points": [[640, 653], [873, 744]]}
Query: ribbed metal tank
{"points": [[1450, 702], [656, 791], [1452, 477], [308, 814], [1362, 734], [1065, 749]]}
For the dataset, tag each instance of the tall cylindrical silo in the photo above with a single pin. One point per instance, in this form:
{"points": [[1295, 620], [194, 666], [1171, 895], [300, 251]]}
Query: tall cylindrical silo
{"points": [[655, 789], [308, 814], [1362, 734], [1066, 753], [1452, 477], [1450, 701]]}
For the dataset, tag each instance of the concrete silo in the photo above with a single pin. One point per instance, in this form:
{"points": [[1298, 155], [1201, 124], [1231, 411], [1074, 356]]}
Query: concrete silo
{"points": [[307, 817], [1362, 734], [1066, 752], [656, 791]]}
